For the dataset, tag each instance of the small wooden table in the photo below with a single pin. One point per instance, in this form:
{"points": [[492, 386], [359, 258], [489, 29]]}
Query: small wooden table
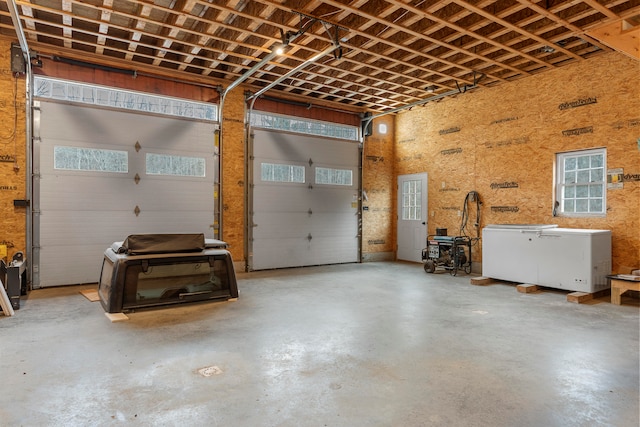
{"points": [[620, 285]]}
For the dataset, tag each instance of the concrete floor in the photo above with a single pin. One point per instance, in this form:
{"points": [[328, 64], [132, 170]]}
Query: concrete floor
{"points": [[375, 344]]}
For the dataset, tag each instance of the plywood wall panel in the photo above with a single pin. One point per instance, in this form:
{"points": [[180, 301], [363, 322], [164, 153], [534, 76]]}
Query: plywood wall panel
{"points": [[233, 184], [378, 226], [12, 154], [509, 137]]}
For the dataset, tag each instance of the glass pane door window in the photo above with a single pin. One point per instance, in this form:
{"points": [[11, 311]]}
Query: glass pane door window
{"points": [[411, 200]]}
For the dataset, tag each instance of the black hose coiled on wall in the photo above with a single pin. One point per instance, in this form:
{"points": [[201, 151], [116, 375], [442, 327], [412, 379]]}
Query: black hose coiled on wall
{"points": [[470, 198]]}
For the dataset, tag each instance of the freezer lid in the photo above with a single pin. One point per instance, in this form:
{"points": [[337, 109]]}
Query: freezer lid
{"points": [[579, 231], [521, 226]]}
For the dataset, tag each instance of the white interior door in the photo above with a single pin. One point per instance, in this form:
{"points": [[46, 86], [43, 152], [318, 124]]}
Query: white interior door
{"points": [[412, 216]]}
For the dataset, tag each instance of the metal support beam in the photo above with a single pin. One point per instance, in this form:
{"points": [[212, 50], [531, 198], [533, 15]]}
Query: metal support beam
{"points": [[286, 39], [15, 17], [250, 72], [294, 71]]}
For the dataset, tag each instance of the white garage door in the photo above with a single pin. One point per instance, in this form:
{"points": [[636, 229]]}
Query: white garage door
{"points": [[105, 174], [305, 201]]}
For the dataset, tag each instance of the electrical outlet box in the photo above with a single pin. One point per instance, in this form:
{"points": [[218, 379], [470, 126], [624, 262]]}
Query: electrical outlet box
{"points": [[18, 64]]}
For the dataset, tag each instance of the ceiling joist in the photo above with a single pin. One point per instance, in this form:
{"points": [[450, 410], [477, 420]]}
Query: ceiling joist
{"points": [[392, 52]]}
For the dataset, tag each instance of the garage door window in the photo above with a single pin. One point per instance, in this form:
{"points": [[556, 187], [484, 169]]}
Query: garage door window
{"points": [[301, 125], [76, 92], [281, 173], [330, 176], [163, 164], [90, 159]]}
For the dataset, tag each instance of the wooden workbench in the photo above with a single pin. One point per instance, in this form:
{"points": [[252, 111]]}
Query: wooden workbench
{"points": [[621, 285]]}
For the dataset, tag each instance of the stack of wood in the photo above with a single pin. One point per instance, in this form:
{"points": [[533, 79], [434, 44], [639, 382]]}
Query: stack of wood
{"points": [[5, 304]]}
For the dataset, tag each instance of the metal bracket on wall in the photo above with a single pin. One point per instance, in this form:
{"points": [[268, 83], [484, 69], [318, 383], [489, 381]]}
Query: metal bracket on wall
{"points": [[18, 63]]}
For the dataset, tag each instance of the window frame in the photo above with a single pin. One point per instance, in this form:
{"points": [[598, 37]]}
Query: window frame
{"points": [[198, 164], [560, 184], [292, 167], [84, 155], [411, 207], [332, 171]]}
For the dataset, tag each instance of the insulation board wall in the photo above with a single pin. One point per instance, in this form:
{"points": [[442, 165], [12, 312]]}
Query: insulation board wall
{"points": [[502, 143]]}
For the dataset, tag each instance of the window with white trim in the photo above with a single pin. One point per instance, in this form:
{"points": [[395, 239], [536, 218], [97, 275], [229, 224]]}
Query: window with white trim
{"points": [[581, 183]]}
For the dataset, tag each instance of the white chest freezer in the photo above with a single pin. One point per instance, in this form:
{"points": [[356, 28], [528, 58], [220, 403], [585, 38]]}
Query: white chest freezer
{"points": [[545, 255]]}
